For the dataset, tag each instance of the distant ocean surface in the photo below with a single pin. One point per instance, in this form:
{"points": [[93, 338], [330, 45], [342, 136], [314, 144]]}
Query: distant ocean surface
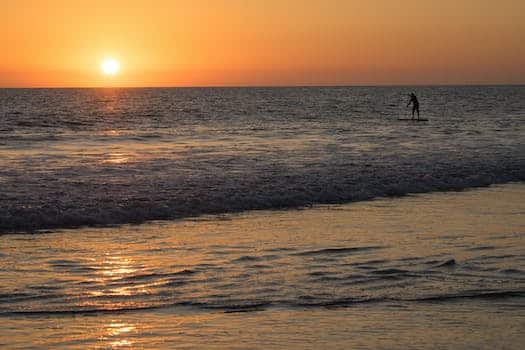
{"points": [[90, 157]]}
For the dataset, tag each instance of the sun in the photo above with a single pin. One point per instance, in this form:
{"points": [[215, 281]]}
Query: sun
{"points": [[110, 66]]}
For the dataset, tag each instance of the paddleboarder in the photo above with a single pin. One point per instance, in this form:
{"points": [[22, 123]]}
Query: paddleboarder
{"points": [[415, 105]]}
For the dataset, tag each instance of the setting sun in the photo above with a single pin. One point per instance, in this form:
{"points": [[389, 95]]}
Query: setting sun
{"points": [[110, 66]]}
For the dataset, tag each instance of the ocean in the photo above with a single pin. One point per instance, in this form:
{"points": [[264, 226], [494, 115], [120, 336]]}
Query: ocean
{"points": [[87, 157], [301, 217]]}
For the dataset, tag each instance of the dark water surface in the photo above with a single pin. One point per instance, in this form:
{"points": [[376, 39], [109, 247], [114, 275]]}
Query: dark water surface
{"points": [[75, 157]]}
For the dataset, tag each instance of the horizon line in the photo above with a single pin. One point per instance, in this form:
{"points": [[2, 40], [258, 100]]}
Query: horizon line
{"points": [[258, 86]]}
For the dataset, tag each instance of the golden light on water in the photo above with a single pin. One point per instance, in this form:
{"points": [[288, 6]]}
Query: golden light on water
{"points": [[117, 334], [118, 267], [121, 343], [102, 266], [116, 158], [118, 328]]}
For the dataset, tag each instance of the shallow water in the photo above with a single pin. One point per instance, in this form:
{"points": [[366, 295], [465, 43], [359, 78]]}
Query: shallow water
{"points": [[443, 270], [76, 157]]}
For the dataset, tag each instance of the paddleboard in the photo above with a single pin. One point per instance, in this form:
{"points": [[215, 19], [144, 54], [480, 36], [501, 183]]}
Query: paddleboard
{"points": [[413, 120]]}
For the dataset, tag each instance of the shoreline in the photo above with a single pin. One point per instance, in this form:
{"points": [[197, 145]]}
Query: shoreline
{"points": [[439, 270]]}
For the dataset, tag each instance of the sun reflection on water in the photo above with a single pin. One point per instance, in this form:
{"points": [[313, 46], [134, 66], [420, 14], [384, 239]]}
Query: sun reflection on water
{"points": [[117, 334], [117, 266], [112, 287], [116, 158], [120, 343], [120, 328], [111, 269]]}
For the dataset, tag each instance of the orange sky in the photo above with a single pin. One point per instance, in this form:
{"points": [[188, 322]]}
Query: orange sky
{"points": [[261, 42]]}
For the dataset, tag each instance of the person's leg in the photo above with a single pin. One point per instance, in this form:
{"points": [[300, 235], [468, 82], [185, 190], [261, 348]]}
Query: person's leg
{"points": [[417, 109], [413, 111]]}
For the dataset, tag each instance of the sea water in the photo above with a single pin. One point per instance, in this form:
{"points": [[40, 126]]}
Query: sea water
{"points": [[432, 271], [85, 157], [181, 263]]}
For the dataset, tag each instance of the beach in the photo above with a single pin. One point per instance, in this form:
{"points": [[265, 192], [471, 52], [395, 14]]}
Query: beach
{"points": [[430, 271]]}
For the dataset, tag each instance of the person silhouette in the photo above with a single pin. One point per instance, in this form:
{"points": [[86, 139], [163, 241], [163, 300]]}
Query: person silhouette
{"points": [[415, 105]]}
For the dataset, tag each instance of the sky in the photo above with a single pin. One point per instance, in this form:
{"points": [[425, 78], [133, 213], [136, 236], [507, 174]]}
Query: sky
{"points": [[62, 43]]}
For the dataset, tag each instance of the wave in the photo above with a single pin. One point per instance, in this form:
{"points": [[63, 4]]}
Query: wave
{"points": [[88, 203], [475, 295], [345, 250], [304, 301], [187, 153]]}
